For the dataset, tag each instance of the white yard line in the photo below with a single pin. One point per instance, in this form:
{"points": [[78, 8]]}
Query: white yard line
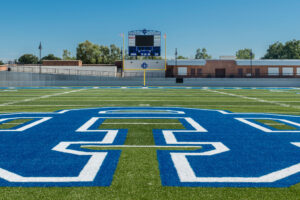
{"points": [[141, 123], [40, 97], [135, 100], [219, 105], [14, 123], [255, 99], [274, 124], [98, 101], [41, 105], [97, 105]]}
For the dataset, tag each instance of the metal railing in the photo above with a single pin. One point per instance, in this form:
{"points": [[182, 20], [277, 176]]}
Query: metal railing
{"points": [[84, 72], [149, 74], [236, 75], [63, 71]]}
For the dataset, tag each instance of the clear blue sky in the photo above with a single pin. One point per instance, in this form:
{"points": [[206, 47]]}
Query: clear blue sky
{"points": [[221, 26]]}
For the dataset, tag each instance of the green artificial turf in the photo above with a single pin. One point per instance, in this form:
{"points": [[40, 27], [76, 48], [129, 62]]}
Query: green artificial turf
{"points": [[275, 124], [13, 123], [137, 174]]}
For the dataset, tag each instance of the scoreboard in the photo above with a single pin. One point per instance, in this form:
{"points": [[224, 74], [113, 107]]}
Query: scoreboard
{"points": [[144, 43]]}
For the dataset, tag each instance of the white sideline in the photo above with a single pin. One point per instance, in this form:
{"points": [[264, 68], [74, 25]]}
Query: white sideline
{"points": [[256, 99], [40, 97]]}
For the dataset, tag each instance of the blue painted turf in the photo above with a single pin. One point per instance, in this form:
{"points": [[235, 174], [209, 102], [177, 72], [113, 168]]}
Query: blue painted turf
{"points": [[252, 152]]}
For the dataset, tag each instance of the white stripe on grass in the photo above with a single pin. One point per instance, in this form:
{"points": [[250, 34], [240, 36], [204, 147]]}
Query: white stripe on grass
{"points": [[255, 99], [222, 105], [140, 105], [136, 146], [135, 100], [40, 97], [139, 123]]}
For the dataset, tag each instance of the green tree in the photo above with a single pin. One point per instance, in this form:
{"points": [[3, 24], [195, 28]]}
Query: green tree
{"points": [[51, 57], [91, 53], [289, 50], [244, 54], [28, 59], [149, 58], [202, 54], [104, 55], [181, 57], [115, 54], [1, 63], [275, 51], [88, 52], [67, 55]]}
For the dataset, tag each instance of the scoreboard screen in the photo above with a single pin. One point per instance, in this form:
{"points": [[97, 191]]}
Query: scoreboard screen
{"points": [[144, 43], [144, 40]]}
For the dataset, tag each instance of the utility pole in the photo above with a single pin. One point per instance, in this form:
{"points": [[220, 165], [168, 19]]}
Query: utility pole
{"points": [[40, 48], [165, 36], [251, 55], [176, 57]]}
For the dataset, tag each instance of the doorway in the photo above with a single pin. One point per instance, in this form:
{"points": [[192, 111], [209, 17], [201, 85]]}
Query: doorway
{"points": [[220, 73]]}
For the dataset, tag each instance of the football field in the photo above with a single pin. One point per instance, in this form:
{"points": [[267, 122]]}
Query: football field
{"points": [[138, 171]]}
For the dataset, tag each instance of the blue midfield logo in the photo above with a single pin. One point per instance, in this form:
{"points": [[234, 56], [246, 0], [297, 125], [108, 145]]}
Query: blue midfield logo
{"points": [[144, 65], [235, 149]]}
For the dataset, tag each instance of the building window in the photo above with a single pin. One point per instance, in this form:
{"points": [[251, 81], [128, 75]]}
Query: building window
{"points": [[182, 71], [199, 71], [193, 72], [257, 72], [273, 71], [240, 72], [298, 71], [248, 72], [287, 71]]}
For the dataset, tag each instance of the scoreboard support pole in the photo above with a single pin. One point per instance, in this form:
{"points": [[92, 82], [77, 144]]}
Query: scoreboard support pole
{"points": [[144, 77]]}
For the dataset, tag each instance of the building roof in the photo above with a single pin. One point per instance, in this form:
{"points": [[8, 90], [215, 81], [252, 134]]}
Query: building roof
{"points": [[268, 62], [201, 62], [198, 62]]}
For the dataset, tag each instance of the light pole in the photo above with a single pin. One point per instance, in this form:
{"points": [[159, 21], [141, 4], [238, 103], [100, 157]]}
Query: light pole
{"points": [[251, 55], [165, 36], [176, 57], [123, 54], [40, 48]]}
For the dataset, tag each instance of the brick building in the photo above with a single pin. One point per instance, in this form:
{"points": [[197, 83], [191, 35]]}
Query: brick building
{"points": [[233, 68], [3, 68]]}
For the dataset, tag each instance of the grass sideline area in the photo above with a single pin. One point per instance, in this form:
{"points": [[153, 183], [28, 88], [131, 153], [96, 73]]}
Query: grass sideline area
{"points": [[132, 180]]}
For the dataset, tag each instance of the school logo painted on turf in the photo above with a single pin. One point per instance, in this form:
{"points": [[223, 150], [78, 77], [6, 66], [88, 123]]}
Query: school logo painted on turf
{"points": [[232, 149]]}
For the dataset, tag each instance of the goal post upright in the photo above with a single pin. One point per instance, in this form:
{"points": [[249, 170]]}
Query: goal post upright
{"points": [[144, 77]]}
